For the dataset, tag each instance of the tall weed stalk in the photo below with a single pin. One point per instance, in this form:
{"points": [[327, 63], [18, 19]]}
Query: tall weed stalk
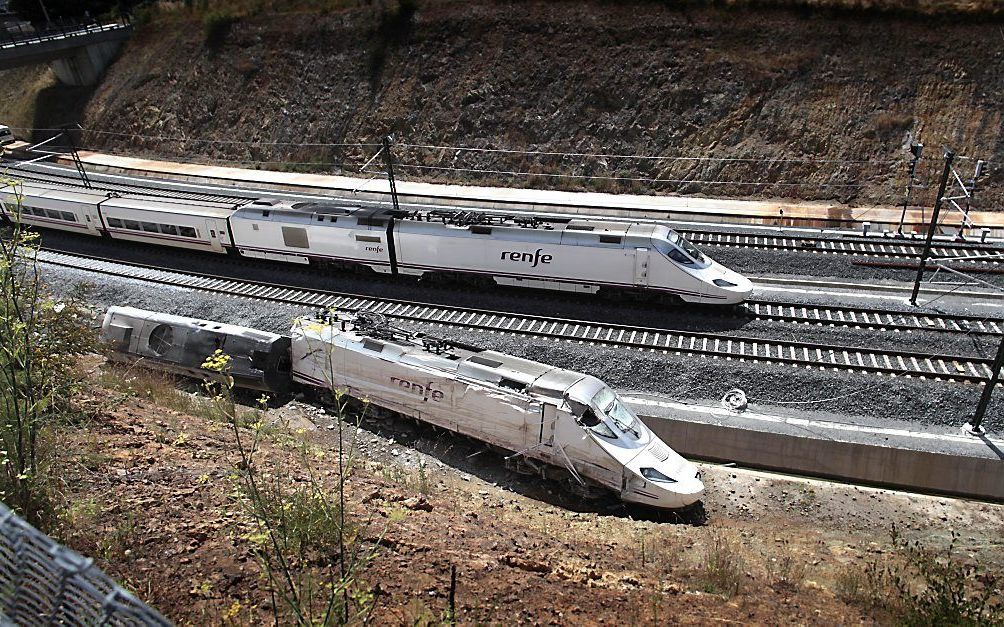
{"points": [[307, 547], [41, 340]]}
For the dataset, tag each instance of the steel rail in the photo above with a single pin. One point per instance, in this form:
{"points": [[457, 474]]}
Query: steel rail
{"points": [[750, 349], [859, 246], [26, 176], [872, 318]]}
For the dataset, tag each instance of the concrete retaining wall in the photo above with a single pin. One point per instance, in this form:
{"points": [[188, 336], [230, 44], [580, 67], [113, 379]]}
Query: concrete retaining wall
{"points": [[921, 471]]}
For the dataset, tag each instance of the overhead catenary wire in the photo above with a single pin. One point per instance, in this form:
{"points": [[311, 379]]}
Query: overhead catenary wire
{"points": [[624, 178], [210, 141], [601, 155]]}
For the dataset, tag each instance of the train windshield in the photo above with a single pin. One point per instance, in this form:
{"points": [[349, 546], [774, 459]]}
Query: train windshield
{"points": [[674, 254], [608, 404]]}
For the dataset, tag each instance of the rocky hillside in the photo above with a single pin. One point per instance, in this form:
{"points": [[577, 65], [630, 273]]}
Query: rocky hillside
{"points": [[795, 103]]}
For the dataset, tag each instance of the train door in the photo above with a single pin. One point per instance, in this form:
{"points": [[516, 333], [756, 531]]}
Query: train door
{"points": [[545, 431], [91, 219], [641, 267], [213, 230]]}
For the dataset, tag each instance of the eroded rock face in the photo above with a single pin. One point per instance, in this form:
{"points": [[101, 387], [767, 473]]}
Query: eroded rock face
{"points": [[633, 79]]}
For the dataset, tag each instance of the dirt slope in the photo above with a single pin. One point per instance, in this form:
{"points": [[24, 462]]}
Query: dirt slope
{"points": [[153, 499], [630, 78]]}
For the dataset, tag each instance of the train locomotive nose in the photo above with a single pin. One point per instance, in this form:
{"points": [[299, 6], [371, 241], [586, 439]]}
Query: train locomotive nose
{"points": [[661, 478], [735, 287]]}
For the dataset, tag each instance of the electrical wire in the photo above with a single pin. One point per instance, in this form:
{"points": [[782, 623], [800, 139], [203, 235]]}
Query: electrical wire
{"points": [[206, 141], [620, 178], [644, 157], [210, 161]]}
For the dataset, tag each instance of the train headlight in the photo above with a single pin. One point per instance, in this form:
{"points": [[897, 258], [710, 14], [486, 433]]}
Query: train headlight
{"points": [[723, 283], [654, 475]]}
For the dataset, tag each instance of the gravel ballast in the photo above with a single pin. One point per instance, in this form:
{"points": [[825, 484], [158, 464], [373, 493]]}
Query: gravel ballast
{"points": [[849, 395]]}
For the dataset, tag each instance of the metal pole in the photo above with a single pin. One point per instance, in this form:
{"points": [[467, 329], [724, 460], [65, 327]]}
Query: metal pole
{"points": [[389, 160], [970, 195], [917, 150], [76, 157], [988, 391], [45, 12], [922, 266]]}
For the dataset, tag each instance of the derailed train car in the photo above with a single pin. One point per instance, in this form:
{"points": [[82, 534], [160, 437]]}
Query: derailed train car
{"points": [[553, 421], [180, 345], [547, 416]]}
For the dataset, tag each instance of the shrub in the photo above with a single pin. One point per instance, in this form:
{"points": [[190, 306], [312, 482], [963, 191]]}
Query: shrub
{"points": [[216, 24], [922, 586], [42, 338]]}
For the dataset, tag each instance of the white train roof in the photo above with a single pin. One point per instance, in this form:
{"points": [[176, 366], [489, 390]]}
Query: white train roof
{"points": [[66, 194], [176, 206], [414, 221]]}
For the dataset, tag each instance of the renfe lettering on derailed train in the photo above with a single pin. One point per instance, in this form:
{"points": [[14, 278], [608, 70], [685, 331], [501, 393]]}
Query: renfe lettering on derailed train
{"points": [[534, 258], [425, 391]]}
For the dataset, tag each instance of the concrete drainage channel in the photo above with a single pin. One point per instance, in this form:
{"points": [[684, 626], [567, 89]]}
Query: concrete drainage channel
{"points": [[946, 463]]}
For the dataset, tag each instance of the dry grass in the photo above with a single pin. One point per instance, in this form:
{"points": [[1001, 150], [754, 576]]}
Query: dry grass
{"points": [[722, 567]]}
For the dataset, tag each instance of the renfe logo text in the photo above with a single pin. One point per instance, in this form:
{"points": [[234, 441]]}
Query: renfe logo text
{"points": [[534, 258], [425, 391]]}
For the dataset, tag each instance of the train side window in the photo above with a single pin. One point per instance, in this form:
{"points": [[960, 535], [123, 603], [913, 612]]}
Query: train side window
{"points": [[150, 227], [187, 231], [589, 419], [168, 229], [295, 237], [371, 222], [52, 213], [115, 223], [481, 230], [610, 239], [69, 217], [37, 212], [320, 218], [332, 218], [131, 225], [266, 213]]}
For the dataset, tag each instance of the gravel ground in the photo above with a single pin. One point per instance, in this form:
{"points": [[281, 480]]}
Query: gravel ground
{"points": [[688, 378], [820, 266]]}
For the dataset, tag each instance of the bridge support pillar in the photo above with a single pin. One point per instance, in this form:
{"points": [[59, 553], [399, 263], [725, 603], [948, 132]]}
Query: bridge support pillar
{"points": [[86, 65]]}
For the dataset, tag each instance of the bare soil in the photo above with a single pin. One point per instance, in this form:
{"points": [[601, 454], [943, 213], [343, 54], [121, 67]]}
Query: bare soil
{"points": [[814, 104], [152, 501]]}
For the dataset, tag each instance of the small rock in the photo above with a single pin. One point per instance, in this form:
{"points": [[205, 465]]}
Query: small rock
{"points": [[418, 503]]}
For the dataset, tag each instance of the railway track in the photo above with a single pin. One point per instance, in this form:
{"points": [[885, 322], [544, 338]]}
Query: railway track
{"points": [[31, 176], [868, 318], [730, 347], [857, 246], [961, 253]]}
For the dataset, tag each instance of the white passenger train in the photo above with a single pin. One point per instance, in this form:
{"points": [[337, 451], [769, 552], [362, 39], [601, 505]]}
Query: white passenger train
{"points": [[553, 421], [586, 256]]}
